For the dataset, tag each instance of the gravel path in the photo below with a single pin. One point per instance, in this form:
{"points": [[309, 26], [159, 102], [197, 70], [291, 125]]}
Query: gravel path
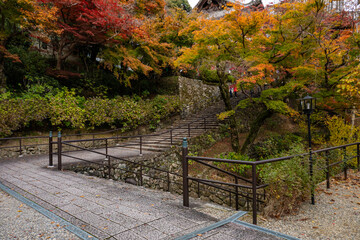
{"points": [[336, 214], [18, 221]]}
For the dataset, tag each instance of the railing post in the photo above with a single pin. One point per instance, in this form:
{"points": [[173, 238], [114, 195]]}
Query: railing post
{"points": [[168, 182], [254, 205], [106, 148], [198, 189], [312, 178], [141, 177], [171, 136], [59, 151], [327, 170], [358, 156], [205, 124], [236, 194], [185, 173], [117, 138], [109, 166], [51, 163], [230, 199], [189, 130], [20, 148], [93, 140], [345, 163], [140, 145]]}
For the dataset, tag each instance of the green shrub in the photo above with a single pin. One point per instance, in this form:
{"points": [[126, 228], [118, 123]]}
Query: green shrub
{"points": [[128, 113], [18, 113], [274, 145], [160, 107], [63, 109], [288, 181], [240, 169]]}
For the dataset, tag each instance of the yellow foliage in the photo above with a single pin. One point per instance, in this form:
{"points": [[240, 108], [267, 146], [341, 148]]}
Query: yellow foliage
{"points": [[225, 115], [349, 87], [341, 134]]}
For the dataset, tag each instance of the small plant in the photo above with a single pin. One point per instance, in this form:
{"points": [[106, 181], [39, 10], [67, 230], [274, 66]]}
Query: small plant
{"points": [[240, 169]]}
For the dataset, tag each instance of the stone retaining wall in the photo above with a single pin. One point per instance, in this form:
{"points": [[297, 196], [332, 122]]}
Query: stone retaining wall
{"points": [[168, 177], [196, 95]]}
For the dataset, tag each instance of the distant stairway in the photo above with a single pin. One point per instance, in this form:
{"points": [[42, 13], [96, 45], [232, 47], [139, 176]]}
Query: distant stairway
{"points": [[191, 126]]}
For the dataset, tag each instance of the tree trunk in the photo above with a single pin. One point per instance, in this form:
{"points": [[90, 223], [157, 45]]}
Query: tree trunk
{"points": [[234, 130], [254, 129], [2, 75], [59, 59], [353, 117]]}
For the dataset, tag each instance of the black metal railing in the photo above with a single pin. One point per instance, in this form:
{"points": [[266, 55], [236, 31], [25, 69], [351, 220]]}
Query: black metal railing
{"points": [[20, 144], [106, 160], [348, 152]]}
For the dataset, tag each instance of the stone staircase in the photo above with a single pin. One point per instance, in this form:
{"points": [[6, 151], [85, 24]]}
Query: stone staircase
{"points": [[191, 126]]}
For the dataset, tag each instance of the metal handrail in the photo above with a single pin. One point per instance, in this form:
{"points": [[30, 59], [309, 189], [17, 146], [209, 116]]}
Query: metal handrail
{"points": [[253, 181]]}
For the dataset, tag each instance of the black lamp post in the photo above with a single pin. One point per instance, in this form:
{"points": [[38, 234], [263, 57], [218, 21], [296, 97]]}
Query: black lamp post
{"points": [[308, 105]]}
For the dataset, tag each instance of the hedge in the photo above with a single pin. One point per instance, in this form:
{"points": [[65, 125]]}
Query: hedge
{"points": [[66, 110]]}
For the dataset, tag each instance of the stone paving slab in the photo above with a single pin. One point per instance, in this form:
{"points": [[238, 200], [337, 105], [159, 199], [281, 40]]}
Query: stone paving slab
{"points": [[107, 209], [19, 221]]}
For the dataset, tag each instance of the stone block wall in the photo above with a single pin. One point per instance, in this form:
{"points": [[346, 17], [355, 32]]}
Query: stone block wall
{"points": [[161, 171], [196, 95]]}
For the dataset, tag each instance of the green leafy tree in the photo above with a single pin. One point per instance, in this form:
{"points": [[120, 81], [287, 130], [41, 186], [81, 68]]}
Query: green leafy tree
{"points": [[182, 4]]}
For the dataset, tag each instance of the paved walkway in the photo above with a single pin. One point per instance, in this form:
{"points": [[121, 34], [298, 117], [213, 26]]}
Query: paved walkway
{"points": [[19, 221], [105, 209]]}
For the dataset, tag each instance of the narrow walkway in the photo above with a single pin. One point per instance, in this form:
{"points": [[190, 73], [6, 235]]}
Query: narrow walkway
{"points": [[113, 210]]}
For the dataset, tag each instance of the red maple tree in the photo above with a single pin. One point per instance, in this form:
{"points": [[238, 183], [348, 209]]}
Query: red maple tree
{"points": [[87, 22]]}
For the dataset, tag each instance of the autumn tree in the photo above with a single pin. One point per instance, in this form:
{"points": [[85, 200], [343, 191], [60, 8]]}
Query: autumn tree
{"points": [[222, 46], [291, 47], [150, 49], [92, 23]]}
